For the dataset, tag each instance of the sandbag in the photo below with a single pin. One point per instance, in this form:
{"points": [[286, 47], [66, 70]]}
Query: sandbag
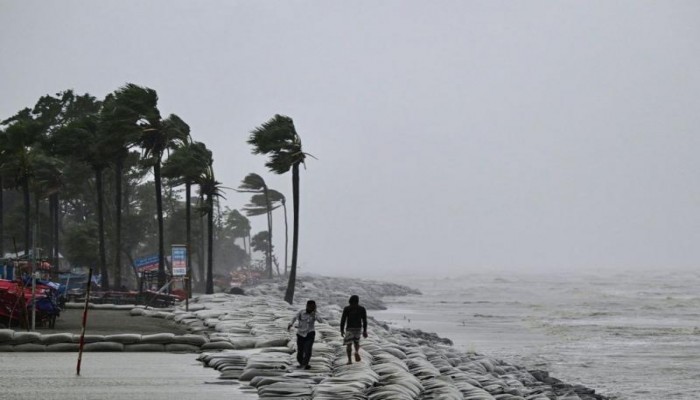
{"points": [[181, 348], [54, 338], [103, 346], [63, 347], [6, 335], [194, 340], [124, 338], [26, 337], [144, 347], [30, 347], [218, 346], [89, 338], [163, 338]]}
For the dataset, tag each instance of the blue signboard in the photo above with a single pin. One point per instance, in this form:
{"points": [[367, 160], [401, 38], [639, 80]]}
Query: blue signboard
{"points": [[148, 263], [179, 259]]}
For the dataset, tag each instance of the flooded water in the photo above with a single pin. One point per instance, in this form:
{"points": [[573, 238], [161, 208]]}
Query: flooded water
{"points": [[627, 335], [112, 376]]}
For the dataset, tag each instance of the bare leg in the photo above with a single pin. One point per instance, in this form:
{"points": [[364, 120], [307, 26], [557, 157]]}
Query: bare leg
{"points": [[349, 351], [357, 352]]}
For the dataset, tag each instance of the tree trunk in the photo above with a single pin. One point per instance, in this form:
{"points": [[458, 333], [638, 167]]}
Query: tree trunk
{"points": [[188, 235], [118, 169], [2, 219], [286, 237], [50, 244], [159, 211], [289, 296], [268, 253], [202, 275], [210, 245], [101, 230], [27, 212], [56, 254]]}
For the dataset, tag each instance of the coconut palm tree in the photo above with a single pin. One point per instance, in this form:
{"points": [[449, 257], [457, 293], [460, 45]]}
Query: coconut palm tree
{"points": [[156, 136], [260, 203], [259, 242], [187, 165], [83, 140], [283, 201], [278, 139], [53, 114], [19, 142], [120, 133], [239, 226], [211, 188], [265, 204]]}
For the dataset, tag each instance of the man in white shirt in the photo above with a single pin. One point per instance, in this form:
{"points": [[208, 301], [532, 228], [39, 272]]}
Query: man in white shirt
{"points": [[306, 332]]}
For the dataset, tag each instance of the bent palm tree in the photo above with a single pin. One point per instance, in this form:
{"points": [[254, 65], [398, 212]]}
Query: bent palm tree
{"points": [[211, 188], [254, 183], [19, 139], [278, 139], [265, 203], [121, 132], [82, 139], [186, 165], [239, 226], [156, 136]]}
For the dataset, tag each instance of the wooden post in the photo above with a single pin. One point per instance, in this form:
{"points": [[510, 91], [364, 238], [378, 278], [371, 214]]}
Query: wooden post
{"points": [[85, 312]]}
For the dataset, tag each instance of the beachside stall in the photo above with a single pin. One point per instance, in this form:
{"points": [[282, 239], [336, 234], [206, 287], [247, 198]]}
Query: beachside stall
{"points": [[16, 302]]}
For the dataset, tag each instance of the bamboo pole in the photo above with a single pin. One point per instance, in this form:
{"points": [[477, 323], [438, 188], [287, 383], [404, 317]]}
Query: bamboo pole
{"points": [[85, 312]]}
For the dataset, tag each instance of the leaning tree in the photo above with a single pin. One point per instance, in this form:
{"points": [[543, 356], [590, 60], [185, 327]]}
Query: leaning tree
{"points": [[278, 139]]}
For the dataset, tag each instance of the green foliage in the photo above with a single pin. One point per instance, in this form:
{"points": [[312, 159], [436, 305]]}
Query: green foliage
{"points": [[277, 138], [80, 241], [259, 242]]}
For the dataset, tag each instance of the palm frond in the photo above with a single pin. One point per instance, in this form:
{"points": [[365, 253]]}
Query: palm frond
{"points": [[252, 183], [278, 139]]}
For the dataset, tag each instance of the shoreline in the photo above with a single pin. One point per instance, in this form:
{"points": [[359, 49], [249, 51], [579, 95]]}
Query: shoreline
{"points": [[247, 341]]}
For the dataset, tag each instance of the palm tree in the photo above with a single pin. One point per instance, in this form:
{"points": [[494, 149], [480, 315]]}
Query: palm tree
{"points": [[83, 139], [265, 203], [239, 226], [211, 188], [19, 141], [156, 136], [259, 242], [278, 139], [120, 133], [260, 203], [186, 165], [53, 114], [48, 180], [283, 200]]}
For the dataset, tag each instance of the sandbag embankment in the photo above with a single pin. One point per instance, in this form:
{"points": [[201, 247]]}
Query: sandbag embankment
{"points": [[22, 341]]}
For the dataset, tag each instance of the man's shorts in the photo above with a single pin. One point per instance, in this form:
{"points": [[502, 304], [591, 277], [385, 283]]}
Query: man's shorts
{"points": [[352, 335]]}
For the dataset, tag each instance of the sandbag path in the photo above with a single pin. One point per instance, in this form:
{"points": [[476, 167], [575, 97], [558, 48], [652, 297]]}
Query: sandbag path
{"points": [[255, 347]]}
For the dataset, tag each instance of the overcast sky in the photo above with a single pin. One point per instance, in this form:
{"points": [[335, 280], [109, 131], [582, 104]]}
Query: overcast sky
{"points": [[450, 135]]}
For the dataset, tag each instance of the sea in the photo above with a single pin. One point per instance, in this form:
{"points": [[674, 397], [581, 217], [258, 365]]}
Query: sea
{"points": [[631, 335]]}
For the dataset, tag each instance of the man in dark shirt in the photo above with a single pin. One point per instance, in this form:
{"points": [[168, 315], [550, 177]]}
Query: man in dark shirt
{"points": [[356, 318]]}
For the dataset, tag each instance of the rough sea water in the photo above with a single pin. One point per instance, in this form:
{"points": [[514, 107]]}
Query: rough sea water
{"points": [[628, 335]]}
